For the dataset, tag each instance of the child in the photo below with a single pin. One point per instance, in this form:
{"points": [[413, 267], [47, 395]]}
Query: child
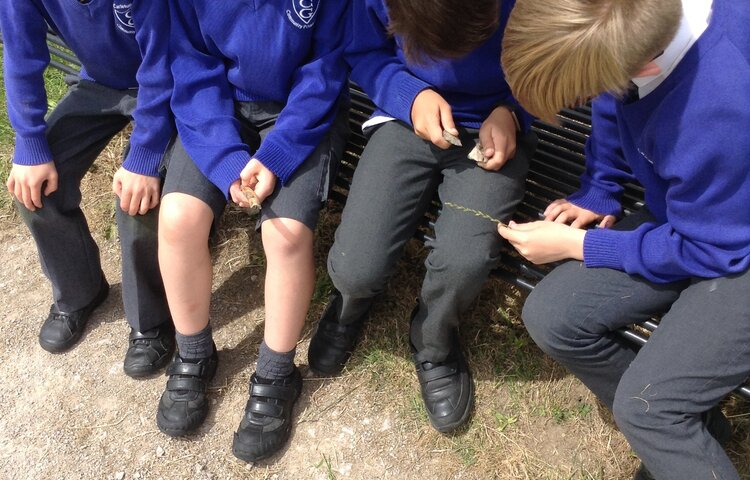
{"points": [[426, 73], [686, 255], [53, 154], [244, 76]]}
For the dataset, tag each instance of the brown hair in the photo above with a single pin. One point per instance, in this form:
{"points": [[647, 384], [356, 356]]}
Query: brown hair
{"points": [[442, 28], [558, 53]]}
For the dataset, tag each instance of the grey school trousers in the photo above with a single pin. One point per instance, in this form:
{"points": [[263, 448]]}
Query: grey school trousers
{"points": [[699, 353], [393, 185], [78, 129]]}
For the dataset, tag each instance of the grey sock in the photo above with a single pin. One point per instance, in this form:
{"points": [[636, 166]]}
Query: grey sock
{"points": [[193, 347], [274, 365]]}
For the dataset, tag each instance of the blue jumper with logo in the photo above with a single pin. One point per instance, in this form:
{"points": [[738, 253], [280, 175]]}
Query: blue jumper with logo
{"points": [[285, 51], [103, 36]]}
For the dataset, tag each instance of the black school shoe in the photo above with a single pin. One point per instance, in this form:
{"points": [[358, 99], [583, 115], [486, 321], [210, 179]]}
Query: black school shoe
{"points": [[183, 405], [61, 330], [149, 351], [332, 344], [267, 423], [447, 389]]}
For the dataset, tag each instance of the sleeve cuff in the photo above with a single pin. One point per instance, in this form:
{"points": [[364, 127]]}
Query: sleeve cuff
{"points": [[596, 200], [229, 170], [602, 248], [408, 89], [142, 161], [32, 151], [276, 159]]}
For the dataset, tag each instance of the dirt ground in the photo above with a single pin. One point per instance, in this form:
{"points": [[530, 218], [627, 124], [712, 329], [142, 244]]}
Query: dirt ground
{"points": [[77, 415]]}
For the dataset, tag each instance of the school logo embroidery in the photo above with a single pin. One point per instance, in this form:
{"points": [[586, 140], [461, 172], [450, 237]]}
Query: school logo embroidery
{"points": [[124, 17], [302, 14]]}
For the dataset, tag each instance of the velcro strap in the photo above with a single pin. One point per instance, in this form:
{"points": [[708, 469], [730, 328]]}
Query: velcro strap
{"points": [[193, 384], [185, 368], [272, 391], [265, 408], [437, 373]]}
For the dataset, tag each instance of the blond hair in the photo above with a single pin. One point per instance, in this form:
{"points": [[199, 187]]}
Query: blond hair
{"points": [[559, 53]]}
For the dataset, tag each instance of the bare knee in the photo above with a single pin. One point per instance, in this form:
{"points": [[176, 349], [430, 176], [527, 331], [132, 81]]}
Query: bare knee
{"points": [[286, 238], [184, 219]]}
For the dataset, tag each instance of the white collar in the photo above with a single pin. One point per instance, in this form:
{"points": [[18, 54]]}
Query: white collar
{"points": [[695, 17]]}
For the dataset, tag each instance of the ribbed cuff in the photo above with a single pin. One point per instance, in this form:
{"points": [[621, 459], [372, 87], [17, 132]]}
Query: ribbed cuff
{"points": [[229, 170], [602, 248], [596, 200], [142, 161], [32, 151], [276, 159], [408, 89]]}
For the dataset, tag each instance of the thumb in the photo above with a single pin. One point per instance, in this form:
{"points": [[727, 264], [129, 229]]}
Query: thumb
{"points": [[446, 119]]}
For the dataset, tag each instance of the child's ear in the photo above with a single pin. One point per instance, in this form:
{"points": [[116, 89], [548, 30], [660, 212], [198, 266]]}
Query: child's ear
{"points": [[648, 70]]}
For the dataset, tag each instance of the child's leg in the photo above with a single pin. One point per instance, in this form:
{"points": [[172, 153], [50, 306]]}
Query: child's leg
{"points": [[573, 312], [466, 247], [189, 208], [393, 186], [288, 220], [699, 353], [78, 129], [290, 279]]}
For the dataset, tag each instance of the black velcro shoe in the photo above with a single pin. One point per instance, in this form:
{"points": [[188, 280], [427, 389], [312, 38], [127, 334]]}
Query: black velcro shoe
{"points": [[447, 389], [149, 351], [183, 405], [333, 343], [61, 330], [267, 423]]}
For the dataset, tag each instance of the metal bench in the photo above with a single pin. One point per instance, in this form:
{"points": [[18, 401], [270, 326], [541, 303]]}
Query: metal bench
{"points": [[554, 173]]}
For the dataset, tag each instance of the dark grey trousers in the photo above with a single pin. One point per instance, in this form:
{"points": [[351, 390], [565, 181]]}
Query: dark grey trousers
{"points": [[393, 185], [78, 129], [699, 353]]}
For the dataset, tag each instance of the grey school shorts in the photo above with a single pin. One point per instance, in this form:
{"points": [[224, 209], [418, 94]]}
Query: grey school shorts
{"points": [[303, 195]]}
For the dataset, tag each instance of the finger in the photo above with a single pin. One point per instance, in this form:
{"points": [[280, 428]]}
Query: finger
{"points": [[18, 191], [488, 146], [446, 119], [608, 221], [579, 222], [116, 186], [144, 206], [135, 204], [26, 198], [36, 196], [155, 198], [435, 135], [557, 204], [562, 217], [125, 197], [51, 185], [11, 184], [236, 195]]}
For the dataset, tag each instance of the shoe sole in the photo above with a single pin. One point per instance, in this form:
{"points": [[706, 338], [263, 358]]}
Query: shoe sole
{"points": [[64, 347]]}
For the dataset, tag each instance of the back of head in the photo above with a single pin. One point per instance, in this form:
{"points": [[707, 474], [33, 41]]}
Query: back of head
{"points": [[558, 53], [442, 28]]}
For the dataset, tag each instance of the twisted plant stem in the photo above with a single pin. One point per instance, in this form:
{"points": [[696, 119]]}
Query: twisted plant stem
{"points": [[476, 213]]}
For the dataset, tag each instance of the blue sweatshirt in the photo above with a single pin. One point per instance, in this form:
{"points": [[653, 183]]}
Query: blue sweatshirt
{"points": [[687, 144], [103, 36], [473, 85], [287, 52]]}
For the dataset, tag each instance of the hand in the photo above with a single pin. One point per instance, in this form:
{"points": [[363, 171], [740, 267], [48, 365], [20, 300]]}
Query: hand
{"points": [[138, 193], [26, 182], [430, 115], [255, 176], [544, 242], [498, 138], [562, 211]]}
